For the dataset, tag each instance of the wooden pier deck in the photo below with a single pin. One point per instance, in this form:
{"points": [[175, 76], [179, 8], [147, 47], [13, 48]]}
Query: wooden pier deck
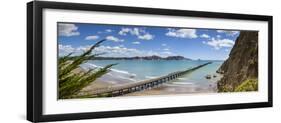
{"points": [[141, 85]]}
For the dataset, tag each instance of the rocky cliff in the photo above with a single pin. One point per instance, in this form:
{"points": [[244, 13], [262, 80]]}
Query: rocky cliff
{"points": [[242, 64]]}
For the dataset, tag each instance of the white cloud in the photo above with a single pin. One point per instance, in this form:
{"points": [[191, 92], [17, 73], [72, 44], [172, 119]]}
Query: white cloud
{"points": [[168, 53], [114, 39], [106, 31], [136, 42], [140, 33], [68, 30], [219, 43], [146, 37], [229, 33], [204, 36], [226, 50], [111, 51], [65, 49], [117, 51], [124, 31], [218, 36], [121, 51], [166, 49], [92, 37], [163, 45], [182, 33]]}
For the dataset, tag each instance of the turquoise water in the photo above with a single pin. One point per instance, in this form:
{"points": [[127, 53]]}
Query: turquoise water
{"points": [[136, 70]]}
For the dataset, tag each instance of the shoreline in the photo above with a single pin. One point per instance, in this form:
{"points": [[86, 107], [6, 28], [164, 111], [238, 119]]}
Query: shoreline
{"points": [[169, 88], [173, 88]]}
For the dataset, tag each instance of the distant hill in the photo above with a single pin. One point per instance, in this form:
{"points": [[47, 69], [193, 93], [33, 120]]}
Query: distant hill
{"points": [[153, 57]]}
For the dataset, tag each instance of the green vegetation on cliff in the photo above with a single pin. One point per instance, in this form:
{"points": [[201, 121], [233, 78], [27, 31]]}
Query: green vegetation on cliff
{"points": [[248, 85]]}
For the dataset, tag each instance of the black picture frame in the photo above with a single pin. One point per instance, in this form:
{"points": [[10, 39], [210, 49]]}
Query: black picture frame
{"points": [[35, 69]]}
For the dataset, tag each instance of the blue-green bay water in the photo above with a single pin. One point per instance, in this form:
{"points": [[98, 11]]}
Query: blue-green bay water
{"points": [[135, 70]]}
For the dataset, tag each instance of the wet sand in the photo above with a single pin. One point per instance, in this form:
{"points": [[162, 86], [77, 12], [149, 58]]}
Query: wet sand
{"points": [[108, 81], [174, 88], [170, 88]]}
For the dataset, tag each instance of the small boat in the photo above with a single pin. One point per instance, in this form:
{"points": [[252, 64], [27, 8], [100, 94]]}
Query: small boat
{"points": [[208, 76], [214, 76]]}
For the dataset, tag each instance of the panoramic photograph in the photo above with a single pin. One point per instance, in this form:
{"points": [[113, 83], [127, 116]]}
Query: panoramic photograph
{"points": [[106, 60]]}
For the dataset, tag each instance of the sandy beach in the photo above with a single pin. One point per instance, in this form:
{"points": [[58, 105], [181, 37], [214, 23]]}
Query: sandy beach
{"points": [[109, 80], [172, 88], [106, 81]]}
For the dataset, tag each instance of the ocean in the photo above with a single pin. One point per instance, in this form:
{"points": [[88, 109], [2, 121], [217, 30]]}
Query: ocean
{"points": [[127, 71]]}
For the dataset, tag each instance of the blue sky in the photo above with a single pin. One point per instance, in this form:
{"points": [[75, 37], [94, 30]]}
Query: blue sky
{"points": [[129, 41]]}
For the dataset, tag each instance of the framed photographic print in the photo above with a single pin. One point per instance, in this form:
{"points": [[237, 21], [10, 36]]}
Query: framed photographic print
{"points": [[95, 61]]}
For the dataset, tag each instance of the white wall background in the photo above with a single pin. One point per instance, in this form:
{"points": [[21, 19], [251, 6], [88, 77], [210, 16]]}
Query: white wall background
{"points": [[13, 61]]}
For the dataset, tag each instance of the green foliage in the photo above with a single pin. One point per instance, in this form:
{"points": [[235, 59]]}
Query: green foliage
{"points": [[225, 88], [71, 82], [247, 85]]}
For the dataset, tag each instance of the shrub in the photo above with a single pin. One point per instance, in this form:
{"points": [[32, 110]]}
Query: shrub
{"points": [[247, 85], [70, 82]]}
